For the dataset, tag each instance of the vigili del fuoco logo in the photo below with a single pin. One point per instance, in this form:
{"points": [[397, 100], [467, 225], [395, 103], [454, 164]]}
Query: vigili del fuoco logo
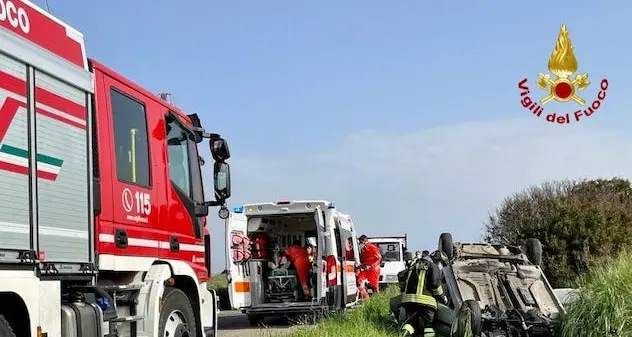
{"points": [[562, 86]]}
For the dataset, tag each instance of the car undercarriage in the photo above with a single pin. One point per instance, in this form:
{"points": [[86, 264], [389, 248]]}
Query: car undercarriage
{"points": [[499, 290]]}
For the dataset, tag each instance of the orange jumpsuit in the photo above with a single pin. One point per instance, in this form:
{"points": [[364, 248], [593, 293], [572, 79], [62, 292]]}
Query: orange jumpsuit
{"points": [[298, 255], [371, 257]]}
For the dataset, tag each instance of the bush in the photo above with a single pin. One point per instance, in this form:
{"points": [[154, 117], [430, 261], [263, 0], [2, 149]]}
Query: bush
{"points": [[371, 319], [576, 221], [604, 305]]}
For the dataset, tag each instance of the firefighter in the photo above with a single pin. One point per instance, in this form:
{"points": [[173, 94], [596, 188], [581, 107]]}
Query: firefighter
{"points": [[417, 255], [370, 260], [299, 257], [421, 288]]}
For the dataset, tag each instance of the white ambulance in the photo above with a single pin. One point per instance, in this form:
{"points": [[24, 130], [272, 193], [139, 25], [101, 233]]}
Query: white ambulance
{"points": [[260, 284]]}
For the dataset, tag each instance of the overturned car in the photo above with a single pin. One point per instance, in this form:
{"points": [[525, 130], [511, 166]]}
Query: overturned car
{"points": [[494, 291]]}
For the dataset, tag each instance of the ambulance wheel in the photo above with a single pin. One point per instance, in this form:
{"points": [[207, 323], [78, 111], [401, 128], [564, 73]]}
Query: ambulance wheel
{"points": [[5, 328], [177, 318], [255, 320], [445, 245]]}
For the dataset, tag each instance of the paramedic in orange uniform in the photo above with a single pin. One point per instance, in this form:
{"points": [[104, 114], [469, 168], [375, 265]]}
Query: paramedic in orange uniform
{"points": [[370, 260], [299, 257]]}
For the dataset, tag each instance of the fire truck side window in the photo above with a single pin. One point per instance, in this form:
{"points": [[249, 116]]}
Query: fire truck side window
{"points": [[184, 169], [130, 139], [178, 153]]}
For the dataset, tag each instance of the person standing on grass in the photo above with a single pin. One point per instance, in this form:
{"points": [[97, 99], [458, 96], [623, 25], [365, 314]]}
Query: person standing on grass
{"points": [[370, 260]]}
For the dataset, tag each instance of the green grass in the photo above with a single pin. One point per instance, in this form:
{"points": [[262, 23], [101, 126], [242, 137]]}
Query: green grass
{"points": [[218, 281], [370, 319], [604, 306]]}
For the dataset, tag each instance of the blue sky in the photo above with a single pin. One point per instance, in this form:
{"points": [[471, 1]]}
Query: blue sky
{"points": [[406, 114]]}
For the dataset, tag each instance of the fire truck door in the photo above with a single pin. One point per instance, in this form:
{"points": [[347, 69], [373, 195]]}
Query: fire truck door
{"points": [[238, 274], [136, 183]]}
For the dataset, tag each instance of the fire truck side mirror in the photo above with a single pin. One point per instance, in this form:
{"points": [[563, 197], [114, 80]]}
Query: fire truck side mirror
{"points": [[219, 148], [221, 181]]}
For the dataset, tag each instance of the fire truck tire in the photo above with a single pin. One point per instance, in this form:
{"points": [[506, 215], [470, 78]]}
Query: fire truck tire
{"points": [[177, 318], [5, 328]]}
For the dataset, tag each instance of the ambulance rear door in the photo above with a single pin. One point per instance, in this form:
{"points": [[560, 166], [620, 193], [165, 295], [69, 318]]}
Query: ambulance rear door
{"points": [[321, 276], [348, 258], [238, 273]]}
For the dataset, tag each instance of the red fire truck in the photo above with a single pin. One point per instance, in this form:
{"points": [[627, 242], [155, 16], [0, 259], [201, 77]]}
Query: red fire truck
{"points": [[102, 208]]}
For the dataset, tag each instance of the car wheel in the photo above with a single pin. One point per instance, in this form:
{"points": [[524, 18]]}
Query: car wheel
{"points": [[177, 318], [445, 245], [467, 322], [534, 251]]}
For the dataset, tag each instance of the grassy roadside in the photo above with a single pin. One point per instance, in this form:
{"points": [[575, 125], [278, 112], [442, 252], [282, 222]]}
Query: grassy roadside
{"points": [[604, 305], [368, 320]]}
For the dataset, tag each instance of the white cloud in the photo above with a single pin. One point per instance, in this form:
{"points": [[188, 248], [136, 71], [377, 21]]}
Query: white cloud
{"points": [[427, 182]]}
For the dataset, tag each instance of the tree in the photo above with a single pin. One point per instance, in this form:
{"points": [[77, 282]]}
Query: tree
{"points": [[577, 222]]}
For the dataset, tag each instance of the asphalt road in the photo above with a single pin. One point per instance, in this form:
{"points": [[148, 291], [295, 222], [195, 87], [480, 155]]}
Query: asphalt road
{"points": [[235, 324]]}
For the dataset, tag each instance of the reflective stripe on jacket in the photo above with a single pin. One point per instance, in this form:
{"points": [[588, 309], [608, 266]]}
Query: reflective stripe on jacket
{"points": [[421, 282]]}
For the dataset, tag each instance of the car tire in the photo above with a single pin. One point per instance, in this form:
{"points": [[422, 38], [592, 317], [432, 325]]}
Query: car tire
{"points": [[177, 317], [445, 245], [459, 325], [534, 251], [5, 328]]}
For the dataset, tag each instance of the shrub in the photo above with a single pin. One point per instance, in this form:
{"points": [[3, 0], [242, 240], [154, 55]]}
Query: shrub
{"points": [[576, 221]]}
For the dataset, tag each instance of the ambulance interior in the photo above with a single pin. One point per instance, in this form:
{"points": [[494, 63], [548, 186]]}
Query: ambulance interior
{"points": [[272, 276]]}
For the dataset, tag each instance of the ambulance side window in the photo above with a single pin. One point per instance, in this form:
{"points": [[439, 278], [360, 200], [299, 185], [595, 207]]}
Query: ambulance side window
{"points": [[131, 141], [347, 236], [338, 240]]}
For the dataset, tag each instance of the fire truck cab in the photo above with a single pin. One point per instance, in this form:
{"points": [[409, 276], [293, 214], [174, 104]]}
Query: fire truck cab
{"points": [[103, 222]]}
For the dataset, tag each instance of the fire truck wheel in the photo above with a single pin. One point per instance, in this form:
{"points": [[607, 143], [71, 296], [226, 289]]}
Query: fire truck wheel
{"points": [[177, 318], [5, 328]]}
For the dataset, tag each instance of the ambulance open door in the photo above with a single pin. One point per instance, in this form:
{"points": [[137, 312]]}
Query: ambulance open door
{"points": [[238, 273], [321, 285]]}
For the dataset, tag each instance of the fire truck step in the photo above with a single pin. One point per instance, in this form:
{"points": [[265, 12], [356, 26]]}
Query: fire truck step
{"points": [[126, 319]]}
